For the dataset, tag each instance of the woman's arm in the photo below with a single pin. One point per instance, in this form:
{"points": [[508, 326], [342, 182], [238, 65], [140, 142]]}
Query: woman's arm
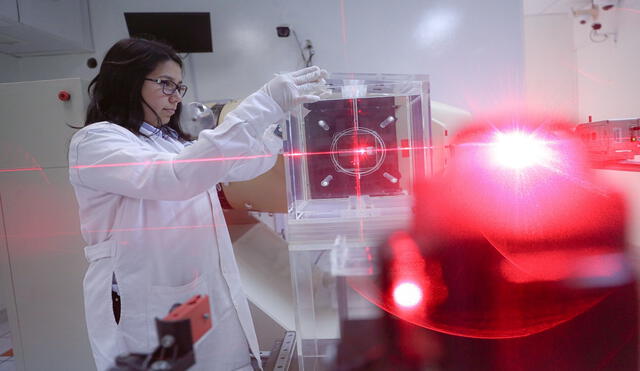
{"points": [[109, 158]]}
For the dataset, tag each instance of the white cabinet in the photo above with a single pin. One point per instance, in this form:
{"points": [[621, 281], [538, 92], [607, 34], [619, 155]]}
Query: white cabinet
{"points": [[42, 262], [45, 27]]}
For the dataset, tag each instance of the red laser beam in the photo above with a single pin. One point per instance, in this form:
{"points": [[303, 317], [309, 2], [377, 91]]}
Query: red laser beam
{"points": [[160, 228], [343, 24], [21, 169], [356, 152], [169, 162], [630, 10], [41, 234]]}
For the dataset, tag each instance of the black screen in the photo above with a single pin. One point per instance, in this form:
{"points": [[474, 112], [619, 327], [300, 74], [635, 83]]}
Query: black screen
{"points": [[185, 32]]}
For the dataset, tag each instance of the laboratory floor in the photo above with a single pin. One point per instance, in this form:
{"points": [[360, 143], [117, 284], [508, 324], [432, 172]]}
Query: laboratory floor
{"points": [[6, 351]]}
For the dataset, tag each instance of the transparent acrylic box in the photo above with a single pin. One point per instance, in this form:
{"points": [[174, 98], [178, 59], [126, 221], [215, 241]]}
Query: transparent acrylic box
{"points": [[368, 141], [351, 162]]}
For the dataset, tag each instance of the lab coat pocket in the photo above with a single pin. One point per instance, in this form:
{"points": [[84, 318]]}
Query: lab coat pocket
{"points": [[164, 297]]}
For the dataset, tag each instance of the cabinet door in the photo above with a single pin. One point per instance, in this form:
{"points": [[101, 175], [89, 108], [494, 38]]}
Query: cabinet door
{"points": [[8, 11], [41, 257], [68, 19], [35, 122]]}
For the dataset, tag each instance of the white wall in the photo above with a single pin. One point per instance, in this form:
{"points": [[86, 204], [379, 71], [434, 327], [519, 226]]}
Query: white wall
{"points": [[568, 73], [469, 48], [550, 65], [472, 50], [609, 72]]}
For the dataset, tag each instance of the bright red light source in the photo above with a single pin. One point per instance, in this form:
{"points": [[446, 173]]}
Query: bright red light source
{"points": [[365, 151], [518, 150], [407, 294]]}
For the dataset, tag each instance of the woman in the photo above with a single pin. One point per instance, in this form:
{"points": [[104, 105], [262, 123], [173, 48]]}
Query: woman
{"points": [[148, 205]]}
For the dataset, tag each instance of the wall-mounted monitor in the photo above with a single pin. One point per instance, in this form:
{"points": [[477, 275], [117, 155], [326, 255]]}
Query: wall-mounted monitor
{"points": [[186, 32]]}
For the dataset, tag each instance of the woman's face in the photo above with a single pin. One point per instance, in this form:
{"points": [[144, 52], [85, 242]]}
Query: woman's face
{"points": [[152, 92]]}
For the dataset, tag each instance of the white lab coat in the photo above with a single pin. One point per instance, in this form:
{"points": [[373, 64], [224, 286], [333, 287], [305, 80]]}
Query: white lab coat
{"points": [[151, 215]]}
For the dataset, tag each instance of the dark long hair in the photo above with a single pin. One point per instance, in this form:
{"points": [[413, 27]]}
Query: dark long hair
{"points": [[116, 92]]}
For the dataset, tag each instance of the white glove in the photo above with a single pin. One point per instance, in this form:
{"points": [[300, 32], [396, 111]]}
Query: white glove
{"points": [[294, 88]]}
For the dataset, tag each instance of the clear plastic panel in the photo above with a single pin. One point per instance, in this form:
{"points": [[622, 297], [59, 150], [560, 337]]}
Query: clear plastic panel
{"points": [[367, 140]]}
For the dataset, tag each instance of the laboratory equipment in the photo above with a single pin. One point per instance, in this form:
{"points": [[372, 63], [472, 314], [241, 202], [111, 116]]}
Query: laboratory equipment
{"points": [[351, 162], [610, 141], [185, 324], [521, 264]]}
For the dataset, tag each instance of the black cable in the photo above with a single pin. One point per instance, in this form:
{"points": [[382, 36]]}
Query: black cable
{"points": [[311, 54], [308, 46]]}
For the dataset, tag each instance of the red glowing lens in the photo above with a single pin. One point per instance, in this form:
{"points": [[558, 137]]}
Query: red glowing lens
{"points": [[407, 294], [519, 150]]}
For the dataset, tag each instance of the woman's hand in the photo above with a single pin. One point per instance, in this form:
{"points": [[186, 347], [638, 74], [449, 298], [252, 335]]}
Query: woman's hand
{"points": [[294, 88]]}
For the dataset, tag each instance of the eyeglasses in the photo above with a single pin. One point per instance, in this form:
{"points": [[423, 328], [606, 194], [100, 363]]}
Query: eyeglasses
{"points": [[169, 87]]}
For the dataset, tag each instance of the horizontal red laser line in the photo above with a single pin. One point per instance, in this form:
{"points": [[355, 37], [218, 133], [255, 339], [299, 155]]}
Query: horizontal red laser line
{"points": [[132, 229], [353, 151], [167, 162], [201, 226], [21, 169], [171, 161], [630, 10]]}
